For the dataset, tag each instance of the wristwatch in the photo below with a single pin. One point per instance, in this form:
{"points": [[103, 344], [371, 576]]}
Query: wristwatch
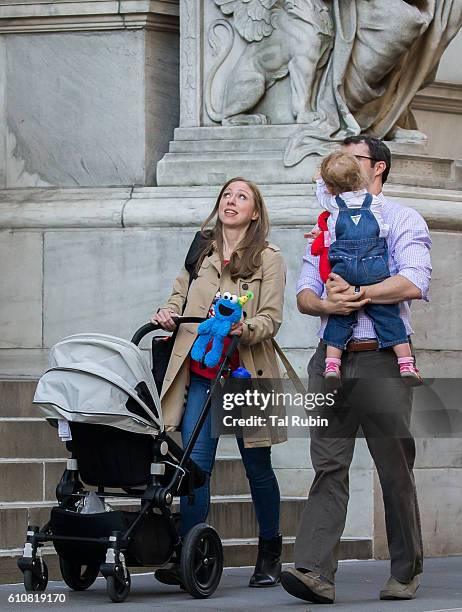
{"points": [[357, 289]]}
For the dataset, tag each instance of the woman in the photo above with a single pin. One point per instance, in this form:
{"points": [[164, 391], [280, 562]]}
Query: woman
{"points": [[236, 259]]}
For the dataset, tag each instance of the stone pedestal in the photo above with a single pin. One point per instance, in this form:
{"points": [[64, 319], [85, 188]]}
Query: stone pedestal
{"points": [[211, 155]]}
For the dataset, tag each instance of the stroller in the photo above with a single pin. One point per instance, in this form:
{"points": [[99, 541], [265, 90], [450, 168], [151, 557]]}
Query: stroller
{"points": [[101, 389]]}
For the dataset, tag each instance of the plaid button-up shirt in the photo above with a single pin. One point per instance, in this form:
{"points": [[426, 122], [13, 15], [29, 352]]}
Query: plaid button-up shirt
{"points": [[409, 246]]}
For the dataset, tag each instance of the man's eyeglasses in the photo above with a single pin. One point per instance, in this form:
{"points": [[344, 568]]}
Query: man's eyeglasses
{"points": [[360, 157]]}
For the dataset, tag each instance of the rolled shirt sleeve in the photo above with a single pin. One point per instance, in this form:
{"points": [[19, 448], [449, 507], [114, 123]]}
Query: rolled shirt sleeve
{"points": [[410, 249], [309, 277]]}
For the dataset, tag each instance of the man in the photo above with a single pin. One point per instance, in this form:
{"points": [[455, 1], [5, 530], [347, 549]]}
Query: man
{"points": [[379, 402]]}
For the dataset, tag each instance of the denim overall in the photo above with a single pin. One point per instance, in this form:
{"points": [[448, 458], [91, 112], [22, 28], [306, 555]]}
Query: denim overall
{"points": [[360, 257]]}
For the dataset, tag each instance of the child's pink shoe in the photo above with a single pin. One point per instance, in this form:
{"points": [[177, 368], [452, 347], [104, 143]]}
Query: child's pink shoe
{"points": [[409, 372], [332, 373]]}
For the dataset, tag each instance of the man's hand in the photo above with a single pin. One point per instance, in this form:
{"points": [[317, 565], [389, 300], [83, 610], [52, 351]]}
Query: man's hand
{"points": [[344, 303], [341, 297], [392, 290], [336, 302]]}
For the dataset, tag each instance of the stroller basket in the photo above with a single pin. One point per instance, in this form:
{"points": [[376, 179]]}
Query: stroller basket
{"points": [[151, 544]]}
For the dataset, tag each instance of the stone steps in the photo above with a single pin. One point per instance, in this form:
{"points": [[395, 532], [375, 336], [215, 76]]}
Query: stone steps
{"points": [[220, 146], [232, 516], [205, 156], [30, 480], [198, 168], [416, 170], [249, 132], [243, 552], [20, 199]]}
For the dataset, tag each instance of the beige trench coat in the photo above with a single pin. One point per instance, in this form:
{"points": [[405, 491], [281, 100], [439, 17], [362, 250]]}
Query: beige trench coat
{"points": [[262, 319]]}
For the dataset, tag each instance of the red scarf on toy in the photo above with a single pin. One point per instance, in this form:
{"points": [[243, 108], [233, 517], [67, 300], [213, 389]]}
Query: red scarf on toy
{"points": [[319, 248]]}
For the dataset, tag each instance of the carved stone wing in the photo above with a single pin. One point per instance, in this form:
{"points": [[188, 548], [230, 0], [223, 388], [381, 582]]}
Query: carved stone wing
{"points": [[253, 19]]}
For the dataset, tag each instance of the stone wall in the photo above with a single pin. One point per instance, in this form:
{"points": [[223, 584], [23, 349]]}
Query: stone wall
{"points": [[102, 260], [89, 93], [438, 110]]}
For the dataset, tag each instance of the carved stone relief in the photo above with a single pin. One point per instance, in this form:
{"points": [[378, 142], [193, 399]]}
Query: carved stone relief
{"points": [[339, 68]]}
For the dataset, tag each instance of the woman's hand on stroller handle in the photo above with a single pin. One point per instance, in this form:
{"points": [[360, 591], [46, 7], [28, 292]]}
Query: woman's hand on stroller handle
{"points": [[152, 326], [165, 318]]}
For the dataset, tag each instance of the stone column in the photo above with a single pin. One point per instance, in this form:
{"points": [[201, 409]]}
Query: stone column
{"points": [[190, 63]]}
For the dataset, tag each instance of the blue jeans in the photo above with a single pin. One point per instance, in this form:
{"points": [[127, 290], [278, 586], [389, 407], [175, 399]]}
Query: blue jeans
{"points": [[257, 463], [388, 326]]}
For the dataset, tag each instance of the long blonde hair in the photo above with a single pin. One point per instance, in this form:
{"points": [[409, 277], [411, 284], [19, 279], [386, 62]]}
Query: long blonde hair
{"points": [[246, 258]]}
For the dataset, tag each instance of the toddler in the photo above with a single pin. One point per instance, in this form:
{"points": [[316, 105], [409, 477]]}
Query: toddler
{"points": [[358, 252]]}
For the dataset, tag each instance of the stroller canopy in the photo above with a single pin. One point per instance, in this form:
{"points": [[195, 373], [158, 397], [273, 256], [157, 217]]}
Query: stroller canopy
{"points": [[100, 379]]}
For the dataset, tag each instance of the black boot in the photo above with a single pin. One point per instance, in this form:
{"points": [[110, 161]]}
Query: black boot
{"points": [[170, 576], [268, 566]]}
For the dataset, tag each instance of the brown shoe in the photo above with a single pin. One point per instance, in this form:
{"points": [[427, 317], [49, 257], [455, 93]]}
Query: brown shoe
{"points": [[309, 586], [400, 590]]}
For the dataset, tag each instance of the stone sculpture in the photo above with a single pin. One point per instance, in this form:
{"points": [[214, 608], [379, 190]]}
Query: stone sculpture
{"points": [[384, 53], [354, 65], [291, 37]]}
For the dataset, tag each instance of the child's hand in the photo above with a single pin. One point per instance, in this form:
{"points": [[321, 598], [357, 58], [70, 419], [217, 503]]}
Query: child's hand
{"points": [[312, 235], [236, 329], [316, 175], [336, 284]]}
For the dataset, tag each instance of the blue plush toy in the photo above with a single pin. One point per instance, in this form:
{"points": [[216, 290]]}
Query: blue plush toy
{"points": [[228, 310]]}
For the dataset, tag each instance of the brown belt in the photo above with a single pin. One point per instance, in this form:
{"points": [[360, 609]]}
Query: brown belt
{"points": [[362, 345]]}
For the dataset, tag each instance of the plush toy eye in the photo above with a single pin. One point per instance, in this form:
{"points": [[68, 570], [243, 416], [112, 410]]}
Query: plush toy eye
{"points": [[226, 295], [233, 299]]}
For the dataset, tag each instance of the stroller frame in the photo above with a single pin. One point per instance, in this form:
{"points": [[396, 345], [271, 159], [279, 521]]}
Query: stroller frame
{"points": [[201, 542]]}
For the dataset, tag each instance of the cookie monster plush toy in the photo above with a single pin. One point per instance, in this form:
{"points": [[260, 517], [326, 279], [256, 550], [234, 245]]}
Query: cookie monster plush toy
{"points": [[228, 310]]}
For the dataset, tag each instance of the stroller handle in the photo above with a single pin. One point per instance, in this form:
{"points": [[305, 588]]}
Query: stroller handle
{"points": [[150, 327]]}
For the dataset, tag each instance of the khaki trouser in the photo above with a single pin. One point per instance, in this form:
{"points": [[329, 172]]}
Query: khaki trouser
{"points": [[378, 403]]}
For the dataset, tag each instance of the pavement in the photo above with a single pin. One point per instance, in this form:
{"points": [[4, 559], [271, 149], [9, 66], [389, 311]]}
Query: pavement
{"points": [[358, 585]]}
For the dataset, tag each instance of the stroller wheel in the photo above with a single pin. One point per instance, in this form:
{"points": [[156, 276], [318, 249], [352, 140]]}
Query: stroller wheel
{"points": [[32, 582], [118, 587], [202, 561], [78, 577]]}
